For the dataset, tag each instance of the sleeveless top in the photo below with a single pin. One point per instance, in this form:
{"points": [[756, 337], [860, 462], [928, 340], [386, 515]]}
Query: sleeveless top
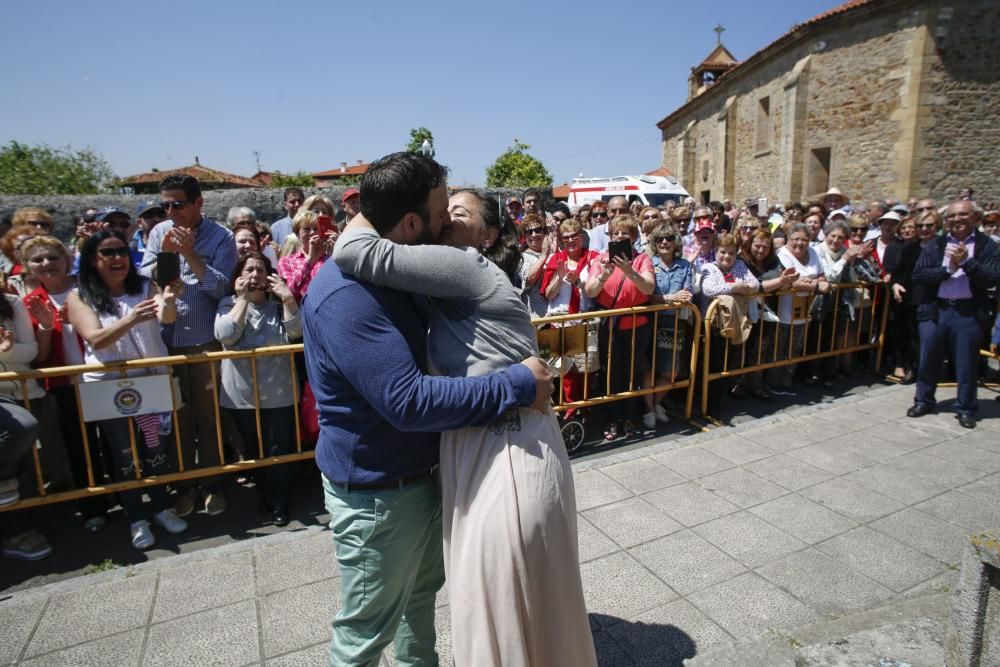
{"points": [[141, 341]]}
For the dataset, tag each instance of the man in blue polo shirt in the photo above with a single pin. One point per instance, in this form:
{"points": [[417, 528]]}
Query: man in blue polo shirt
{"points": [[379, 422]]}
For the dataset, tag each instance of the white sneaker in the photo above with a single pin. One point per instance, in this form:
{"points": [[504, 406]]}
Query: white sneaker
{"points": [[661, 414], [170, 522], [649, 420], [142, 535]]}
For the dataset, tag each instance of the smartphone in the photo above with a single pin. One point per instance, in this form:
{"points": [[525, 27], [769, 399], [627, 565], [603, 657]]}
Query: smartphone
{"points": [[762, 207], [324, 225], [621, 249], [168, 268]]}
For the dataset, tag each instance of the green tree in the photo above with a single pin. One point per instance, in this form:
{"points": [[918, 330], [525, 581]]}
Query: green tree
{"points": [[515, 168], [417, 137], [300, 179], [43, 170]]}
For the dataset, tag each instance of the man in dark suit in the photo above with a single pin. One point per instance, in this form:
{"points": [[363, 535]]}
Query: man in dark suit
{"points": [[956, 271]]}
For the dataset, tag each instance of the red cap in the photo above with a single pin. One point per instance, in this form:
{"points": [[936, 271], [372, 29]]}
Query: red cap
{"points": [[351, 192], [704, 224]]}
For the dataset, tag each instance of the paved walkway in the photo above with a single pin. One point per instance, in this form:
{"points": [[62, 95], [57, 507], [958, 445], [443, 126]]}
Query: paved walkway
{"points": [[686, 547]]}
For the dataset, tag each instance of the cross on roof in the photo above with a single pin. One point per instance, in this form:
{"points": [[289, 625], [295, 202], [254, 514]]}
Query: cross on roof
{"points": [[718, 33]]}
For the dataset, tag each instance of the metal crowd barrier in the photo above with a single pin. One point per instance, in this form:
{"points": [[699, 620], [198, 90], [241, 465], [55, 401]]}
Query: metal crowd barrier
{"points": [[570, 343], [95, 486], [866, 331]]}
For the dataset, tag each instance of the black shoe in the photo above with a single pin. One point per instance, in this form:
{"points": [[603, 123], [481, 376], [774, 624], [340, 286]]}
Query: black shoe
{"points": [[909, 378], [921, 409], [280, 516], [967, 421]]}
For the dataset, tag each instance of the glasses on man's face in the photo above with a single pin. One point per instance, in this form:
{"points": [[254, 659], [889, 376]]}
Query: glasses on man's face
{"points": [[617, 211], [108, 253], [534, 230], [703, 217], [569, 238], [175, 205]]}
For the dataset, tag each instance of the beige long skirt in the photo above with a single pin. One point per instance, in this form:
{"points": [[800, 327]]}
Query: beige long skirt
{"points": [[510, 546]]}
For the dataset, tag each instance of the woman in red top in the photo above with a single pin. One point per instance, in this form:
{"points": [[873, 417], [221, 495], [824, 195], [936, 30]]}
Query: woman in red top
{"points": [[623, 282], [562, 286]]}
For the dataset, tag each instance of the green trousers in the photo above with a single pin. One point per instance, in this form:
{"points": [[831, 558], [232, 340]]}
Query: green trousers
{"points": [[388, 546]]}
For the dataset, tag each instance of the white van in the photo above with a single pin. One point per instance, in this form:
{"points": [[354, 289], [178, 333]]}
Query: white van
{"points": [[649, 190]]}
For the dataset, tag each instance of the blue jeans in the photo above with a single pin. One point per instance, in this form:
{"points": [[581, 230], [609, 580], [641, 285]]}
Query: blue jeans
{"points": [[388, 546]]}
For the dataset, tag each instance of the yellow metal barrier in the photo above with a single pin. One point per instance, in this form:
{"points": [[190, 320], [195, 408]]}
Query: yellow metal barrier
{"points": [[94, 485], [865, 332], [567, 342]]}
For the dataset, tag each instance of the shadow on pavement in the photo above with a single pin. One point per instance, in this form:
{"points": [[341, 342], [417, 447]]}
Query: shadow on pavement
{"points": [[638, 644]]}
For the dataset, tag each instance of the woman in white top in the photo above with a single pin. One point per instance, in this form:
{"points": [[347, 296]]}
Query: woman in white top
{"points": [[118, 314], [793, 311], [246, 321]]}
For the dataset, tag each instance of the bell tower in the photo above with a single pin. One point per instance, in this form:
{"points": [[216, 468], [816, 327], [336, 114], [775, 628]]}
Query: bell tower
{"points": [[718, 62]]}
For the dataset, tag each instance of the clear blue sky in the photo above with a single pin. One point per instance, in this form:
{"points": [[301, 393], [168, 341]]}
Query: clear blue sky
{"points": [[311, 84]]}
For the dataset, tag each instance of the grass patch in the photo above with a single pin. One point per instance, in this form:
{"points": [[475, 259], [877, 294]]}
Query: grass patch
{"points": [[104, 566]]}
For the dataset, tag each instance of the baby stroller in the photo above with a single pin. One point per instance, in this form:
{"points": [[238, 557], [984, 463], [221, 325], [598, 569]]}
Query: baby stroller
{"points": [[570, 348]]}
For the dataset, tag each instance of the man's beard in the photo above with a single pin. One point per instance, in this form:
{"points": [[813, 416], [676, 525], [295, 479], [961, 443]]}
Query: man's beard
{"points": [[426, 236]]}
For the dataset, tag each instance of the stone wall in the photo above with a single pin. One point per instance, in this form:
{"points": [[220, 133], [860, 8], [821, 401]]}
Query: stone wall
{"points": [[904, 94]]}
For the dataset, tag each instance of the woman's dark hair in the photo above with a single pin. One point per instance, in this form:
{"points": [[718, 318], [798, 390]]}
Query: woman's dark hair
{"points": [[506, 252], [93, 291], [242, 262]]}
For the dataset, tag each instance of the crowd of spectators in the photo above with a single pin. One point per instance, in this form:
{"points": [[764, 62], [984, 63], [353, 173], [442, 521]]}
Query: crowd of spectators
{"points": [[110, 295]]}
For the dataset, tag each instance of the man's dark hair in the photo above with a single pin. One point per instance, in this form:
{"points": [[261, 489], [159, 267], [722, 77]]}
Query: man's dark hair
{"points": [[532, 191], [884, 206], [398, 184], [293, 191], [189, 184]]}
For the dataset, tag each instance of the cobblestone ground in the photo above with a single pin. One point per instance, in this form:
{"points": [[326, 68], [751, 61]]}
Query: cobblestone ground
{"points": [[686, 547]]}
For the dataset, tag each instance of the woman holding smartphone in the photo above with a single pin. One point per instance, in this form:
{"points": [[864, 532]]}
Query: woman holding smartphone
{"points": [[622, 278]]}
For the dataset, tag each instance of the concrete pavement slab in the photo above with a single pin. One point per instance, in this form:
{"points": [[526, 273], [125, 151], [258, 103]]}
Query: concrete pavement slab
{"points": [[18, 617], [592, 542], [642, 475], [318, 654], [299, 617], [668, 635], [91, 612], [690, 504], [802, 518], [222, 636], [824, 584], [693, 462], [738, 449], [749, 605], [960, 509], [122, 649], [604, 580], [594, 488], [749, 539], [909, 433], [284, 566], [968, 455], [786, 435], [935, 469], [879, 557], [788, 472], [687, 562], [987, 488], [741, 487], [203, 585], [933, 536], [831, 456], [852, 500], [631, 521], [985, 438], [901, 486]]}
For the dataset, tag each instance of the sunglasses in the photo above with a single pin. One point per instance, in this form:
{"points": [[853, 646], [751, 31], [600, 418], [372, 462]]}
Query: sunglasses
{"points": [[89, 218], [175, 205], [569, 238], [703, 217], [123, 251], [650, 217], [666, 239], [749, 228], [534, 230], [927, 226], [599, 214]]}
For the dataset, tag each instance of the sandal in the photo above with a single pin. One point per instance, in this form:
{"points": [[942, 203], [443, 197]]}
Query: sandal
{"points": [[612, 433], [629, 429]]}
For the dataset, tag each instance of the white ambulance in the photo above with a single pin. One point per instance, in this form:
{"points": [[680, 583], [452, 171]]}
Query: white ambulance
{"points": [[649, 190]]}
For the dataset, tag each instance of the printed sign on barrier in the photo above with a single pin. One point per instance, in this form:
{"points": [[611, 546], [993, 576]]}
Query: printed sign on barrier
{"points": [[126, 397]]}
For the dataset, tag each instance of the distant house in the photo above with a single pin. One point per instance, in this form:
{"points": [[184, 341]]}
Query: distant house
{"points": [[210, 179], [330, 177], [263, 178]]}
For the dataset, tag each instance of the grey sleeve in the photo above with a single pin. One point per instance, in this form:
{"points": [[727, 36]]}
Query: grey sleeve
{"points": [[437, 271]]}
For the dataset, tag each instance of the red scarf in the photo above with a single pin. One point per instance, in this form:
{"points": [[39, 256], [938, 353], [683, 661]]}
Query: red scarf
{"points": [[57, 355], [552, 271]]}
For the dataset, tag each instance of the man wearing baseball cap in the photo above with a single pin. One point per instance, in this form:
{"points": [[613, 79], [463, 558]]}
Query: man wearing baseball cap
{"points": [[514, 208], [148, 214], [351, 201]]}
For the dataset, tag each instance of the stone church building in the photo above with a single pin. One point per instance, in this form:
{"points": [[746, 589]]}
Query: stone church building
{"points": [[879, 98]]}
